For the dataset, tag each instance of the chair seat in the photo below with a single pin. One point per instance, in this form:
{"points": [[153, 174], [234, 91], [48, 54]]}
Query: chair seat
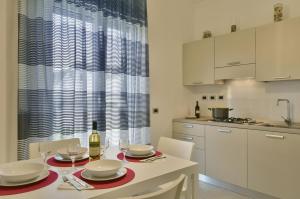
{"points": [[183, 190]]}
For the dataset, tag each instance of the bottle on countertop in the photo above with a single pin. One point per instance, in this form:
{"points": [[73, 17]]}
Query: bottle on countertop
{"points": [[197, 110], [94, 143]]}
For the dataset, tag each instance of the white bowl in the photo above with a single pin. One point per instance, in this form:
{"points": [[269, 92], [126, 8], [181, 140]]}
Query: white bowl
{"points": [[140, 149], [20, 171], [103, 168], [64, 153]]}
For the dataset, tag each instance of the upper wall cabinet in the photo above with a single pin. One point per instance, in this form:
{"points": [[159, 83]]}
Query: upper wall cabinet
{"points": [[198, 62], [235, 55], [277, 51]]}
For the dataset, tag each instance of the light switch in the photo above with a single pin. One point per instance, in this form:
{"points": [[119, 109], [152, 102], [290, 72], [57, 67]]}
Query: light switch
{"points": [[155, 110]]}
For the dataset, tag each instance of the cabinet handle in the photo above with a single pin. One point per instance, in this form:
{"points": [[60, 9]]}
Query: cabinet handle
{"points": [[234, 63], [196, 83], [275, 136], [224, 131], [287, 77], [188, 126], [186, 138]]}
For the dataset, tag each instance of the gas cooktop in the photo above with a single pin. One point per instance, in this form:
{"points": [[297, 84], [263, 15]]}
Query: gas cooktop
{"points": [[236, 120]]}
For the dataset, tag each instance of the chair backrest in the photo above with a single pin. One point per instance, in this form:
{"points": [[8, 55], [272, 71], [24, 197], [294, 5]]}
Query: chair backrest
{"points": [[178, 148], [171, 192], [50, 146]]}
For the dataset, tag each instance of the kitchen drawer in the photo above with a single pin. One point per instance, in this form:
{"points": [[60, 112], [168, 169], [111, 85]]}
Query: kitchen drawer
{"points": [[199, 141], [189, 128]]}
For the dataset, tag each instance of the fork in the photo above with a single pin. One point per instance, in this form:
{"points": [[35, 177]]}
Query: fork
{"points": [[153, 158], [65, 179]]}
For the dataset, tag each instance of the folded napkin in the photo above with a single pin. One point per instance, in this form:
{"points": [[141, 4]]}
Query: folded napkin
{"points": [[78, 183], [67, 186]]}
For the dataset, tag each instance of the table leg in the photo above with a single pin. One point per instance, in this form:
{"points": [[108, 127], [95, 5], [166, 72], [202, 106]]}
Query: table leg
{"points": [[195, 186]]}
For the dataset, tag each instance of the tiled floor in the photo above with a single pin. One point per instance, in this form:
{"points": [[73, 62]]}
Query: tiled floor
{"points": [[208, 191]]}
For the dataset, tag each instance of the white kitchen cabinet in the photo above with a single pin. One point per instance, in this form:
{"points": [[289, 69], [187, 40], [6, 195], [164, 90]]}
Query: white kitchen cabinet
{"points": [[226, 154], [198, 62], [273, 163], [277, 51], [192, 133], [233, 51]]}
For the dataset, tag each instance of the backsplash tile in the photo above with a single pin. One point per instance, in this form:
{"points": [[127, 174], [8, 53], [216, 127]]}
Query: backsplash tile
{"points": [[249, 98]]}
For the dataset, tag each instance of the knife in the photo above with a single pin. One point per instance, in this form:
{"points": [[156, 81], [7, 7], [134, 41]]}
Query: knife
{"points": [[82, 183], [153, 158], [72, 182]]}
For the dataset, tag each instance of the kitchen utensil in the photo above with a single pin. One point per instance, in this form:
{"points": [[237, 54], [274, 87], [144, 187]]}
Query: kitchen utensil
{"points": [[69, 180], [220, 113], [61, 159], [44, 174], [152, 153], [20, 171], [63, 152], [88, 176], [103, 168], [139, 149], [153, 158]]}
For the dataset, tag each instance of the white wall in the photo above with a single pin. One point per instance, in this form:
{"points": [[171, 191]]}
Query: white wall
{"points": [[170, 25], [248, 97], [8, 80]]}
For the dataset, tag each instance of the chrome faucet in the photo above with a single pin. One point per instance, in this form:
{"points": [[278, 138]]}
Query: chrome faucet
{"points": [[288, 119]]}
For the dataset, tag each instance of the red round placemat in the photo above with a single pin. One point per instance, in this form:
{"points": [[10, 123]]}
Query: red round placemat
{"points": [[30, 187], [111, 183], [56, 163], [120, 156]]}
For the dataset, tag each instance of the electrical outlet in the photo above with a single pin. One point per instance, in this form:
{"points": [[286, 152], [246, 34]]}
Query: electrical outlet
{"points": [[204, 97], [221, 97], [212, 97]]}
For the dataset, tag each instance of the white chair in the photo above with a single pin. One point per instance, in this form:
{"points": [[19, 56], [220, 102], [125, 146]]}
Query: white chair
{"points": [[169, 192], [177, 148], [50, 146]]}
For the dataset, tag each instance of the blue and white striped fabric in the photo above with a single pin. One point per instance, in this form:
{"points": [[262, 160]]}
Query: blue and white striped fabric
{"points": [[79, 61]]}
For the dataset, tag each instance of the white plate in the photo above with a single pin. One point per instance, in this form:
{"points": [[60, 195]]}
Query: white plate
{"points": [[61, 159], [130, 155], [20, 171], [44, 174], [103, 168], [140, 149], [64, 152], [86, 175]]}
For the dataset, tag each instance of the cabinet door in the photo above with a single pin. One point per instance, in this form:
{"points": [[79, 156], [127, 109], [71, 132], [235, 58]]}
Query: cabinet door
{"points": [[277, 51], [198, 154], [226, 154], [273, 163], [198, 62], [235, 49]]}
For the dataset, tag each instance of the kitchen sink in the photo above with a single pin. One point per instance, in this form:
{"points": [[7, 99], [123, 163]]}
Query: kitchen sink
{"points": [[293, 126]]}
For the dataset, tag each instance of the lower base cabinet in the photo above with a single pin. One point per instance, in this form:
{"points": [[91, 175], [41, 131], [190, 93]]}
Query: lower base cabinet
{"points": [[274, 163], [226, 154]]}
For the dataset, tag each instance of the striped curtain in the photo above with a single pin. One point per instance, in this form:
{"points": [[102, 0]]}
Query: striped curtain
{"points": [[79, 61]]}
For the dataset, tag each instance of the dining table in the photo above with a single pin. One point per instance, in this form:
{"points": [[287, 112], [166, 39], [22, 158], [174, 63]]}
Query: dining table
{"points": [[148, 176]]}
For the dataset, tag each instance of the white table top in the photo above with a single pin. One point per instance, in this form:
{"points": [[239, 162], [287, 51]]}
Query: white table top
{"points": [[146, 175]]}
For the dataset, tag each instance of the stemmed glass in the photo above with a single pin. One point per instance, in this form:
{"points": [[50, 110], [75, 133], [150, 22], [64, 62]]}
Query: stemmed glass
{"points": [[123, 146], [73, 151], [106, 147], [44, 154]]}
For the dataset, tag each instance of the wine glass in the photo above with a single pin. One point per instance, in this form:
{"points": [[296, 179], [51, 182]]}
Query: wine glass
{"points": [[73, 151], [123, 146], [106, 147], [44, 154]]}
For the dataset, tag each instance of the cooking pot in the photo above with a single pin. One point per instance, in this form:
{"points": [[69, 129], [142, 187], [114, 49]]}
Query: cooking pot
{"points": [[220, 113]]}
